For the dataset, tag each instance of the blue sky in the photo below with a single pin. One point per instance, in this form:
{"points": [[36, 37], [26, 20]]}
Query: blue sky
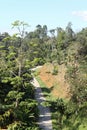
{"points": [[53, 13]]}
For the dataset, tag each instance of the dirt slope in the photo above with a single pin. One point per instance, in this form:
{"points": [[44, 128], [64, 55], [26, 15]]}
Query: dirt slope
{"points": [[57, 82]]}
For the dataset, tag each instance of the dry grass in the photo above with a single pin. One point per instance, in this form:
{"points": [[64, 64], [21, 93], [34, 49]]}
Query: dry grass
{"points": [[57, 82]]}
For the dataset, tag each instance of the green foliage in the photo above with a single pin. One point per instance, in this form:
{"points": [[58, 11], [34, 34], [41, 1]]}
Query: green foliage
{"points": [[78, 84], [68, 116], [37, 61], [55, 70], [18, 109], [22, 51], [17, 125]]}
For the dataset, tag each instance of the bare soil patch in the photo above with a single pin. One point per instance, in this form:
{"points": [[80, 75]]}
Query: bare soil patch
{"points": [[57, 82]]}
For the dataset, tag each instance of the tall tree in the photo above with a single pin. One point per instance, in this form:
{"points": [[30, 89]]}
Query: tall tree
{"points": [[20, 26], [69, 32]]}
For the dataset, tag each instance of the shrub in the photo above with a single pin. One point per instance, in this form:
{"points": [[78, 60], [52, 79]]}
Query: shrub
{"points": [[55, 70]]}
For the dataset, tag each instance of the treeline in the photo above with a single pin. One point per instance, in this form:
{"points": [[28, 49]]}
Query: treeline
{"points": [[24, 50]]}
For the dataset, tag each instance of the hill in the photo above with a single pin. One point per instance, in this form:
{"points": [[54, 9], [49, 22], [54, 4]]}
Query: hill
{"points": [[60, 87]]}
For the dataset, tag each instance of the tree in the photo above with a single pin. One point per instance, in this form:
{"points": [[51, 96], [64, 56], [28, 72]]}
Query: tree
{"points": [[21, 26], [18, 109], [69, 32]]}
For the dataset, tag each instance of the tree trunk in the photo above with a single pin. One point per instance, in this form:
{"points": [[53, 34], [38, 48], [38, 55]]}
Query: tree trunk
{"points": [[19, 71]]}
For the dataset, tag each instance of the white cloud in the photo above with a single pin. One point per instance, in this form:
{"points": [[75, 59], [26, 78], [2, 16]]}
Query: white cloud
{"points": [[82, 14]]}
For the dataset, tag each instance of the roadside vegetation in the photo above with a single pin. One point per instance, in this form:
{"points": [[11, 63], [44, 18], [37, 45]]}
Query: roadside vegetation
{"points": [[65, 114], [63, 77]]}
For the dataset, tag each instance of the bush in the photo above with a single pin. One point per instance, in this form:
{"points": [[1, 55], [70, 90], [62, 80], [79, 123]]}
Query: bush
{"points": [[38, 61], [16, 126], [55, 70]]}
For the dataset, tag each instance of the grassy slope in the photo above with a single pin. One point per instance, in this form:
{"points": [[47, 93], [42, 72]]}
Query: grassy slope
{"points": [[54, 86]]}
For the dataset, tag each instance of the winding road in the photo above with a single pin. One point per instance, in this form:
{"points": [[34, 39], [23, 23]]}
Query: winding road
{"points": [[45, 122]]}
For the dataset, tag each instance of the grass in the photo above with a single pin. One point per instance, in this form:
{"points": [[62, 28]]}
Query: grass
{"points": [[46, 91], [66, 124]]}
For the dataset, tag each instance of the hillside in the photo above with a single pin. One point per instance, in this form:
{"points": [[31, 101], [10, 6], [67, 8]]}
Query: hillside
{"points": [[60, 87]]}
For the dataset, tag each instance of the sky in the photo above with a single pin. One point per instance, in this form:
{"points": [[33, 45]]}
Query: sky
{"points": [[53, 13]]}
